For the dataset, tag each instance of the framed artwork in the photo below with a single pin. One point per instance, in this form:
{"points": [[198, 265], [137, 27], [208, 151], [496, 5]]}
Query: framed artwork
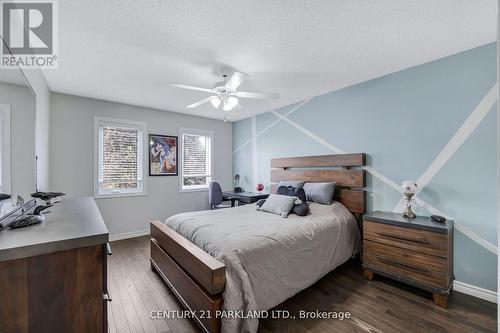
{"points": [[162, 155]]}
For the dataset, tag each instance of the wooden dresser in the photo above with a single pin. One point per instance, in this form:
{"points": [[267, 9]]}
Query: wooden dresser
{"points": [[53, 275], [415, 251]]}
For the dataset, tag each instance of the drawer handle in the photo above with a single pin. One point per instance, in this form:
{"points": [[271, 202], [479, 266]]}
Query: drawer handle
{"points": [[397, 263], [107, 297], [419, 241]]}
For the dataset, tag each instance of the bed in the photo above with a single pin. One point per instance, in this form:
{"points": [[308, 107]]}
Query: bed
{"points": [[242, 260]]}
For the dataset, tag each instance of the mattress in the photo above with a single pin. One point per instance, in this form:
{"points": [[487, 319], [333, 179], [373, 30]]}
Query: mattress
{"points": [[269, 258]]}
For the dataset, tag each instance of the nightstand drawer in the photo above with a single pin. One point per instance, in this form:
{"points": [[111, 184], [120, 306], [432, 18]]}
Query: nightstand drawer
{"points": [[422, 268], [421, 241]]}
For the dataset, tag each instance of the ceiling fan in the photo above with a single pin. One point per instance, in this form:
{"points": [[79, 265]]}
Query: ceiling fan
{"points": [[225, 92]]}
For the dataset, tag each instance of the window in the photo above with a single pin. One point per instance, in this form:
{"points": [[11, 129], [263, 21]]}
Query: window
{"points": [[120, 156], [196, 148]]}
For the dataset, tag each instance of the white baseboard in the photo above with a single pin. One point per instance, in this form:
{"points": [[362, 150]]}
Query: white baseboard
{"points": [[126, 235], [487, 295]]}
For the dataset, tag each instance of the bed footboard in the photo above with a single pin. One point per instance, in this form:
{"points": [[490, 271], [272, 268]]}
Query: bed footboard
{"points": [[196, 278]]}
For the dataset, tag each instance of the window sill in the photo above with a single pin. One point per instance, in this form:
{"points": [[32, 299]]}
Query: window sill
{"points": [[119, 195], [205, 189]]}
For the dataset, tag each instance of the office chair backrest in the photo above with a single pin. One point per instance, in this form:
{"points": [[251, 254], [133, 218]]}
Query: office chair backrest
{"points": [[214, 194]]}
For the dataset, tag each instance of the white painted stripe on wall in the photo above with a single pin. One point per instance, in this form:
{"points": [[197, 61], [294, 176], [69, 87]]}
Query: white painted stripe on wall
{"points": [[249, 141], [467, 232], [399, 206], [383, 178], [476, 238], [456, 141], [460, 227], [338, 150], [285, 115], [255, 172], [308, 133], [467, 128], [272, 124]]}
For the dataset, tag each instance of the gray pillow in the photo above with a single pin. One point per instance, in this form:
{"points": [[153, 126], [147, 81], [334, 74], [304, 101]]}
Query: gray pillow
{"points": [[293, 183], [320, 192], [279, 204]]}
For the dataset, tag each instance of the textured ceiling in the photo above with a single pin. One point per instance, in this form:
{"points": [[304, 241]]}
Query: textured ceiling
{"points": [[130, 50]]}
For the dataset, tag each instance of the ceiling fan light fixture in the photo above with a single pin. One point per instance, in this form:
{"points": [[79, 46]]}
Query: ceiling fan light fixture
{"points": [[225, 92], [229, 103], [215, 101]]}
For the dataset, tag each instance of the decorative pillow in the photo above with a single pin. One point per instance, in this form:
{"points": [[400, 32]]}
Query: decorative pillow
{"points": [[293, 183], [278, 204], [260, 202], [320, 192], [300, 209]]}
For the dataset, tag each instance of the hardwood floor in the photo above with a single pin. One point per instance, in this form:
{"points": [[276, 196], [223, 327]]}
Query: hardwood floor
{"points": [[375, 306]]}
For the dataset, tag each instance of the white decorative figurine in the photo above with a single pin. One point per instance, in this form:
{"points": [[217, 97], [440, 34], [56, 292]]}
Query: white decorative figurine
{"points": [[409, 189]]}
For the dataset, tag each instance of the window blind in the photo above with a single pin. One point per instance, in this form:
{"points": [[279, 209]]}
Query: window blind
{"points": [[196, 161], [120, 159]]}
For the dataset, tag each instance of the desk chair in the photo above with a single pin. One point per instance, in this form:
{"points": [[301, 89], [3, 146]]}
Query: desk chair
{"points": [[215, 197]]}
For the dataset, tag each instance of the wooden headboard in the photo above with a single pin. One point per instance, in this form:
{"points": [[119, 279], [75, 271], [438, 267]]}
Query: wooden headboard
{"points": [[341, 169]]}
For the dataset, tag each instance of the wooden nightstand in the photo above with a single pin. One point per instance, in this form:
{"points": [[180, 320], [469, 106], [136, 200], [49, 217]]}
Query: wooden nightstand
{"points": [[415, 251]]}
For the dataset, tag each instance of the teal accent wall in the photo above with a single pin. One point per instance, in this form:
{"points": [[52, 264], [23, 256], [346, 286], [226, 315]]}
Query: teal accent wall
{"points": [[402, 121]]}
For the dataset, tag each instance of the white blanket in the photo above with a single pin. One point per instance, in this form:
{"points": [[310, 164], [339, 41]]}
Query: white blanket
{"points": [[269, 258]]}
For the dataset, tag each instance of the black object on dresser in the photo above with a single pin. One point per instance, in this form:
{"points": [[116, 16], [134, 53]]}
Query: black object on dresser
{"points": [[417, 251], [53, 276], [244, 197]]}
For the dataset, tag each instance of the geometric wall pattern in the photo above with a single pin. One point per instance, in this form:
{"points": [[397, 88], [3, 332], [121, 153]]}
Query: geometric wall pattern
{"points": [[434, 123]]}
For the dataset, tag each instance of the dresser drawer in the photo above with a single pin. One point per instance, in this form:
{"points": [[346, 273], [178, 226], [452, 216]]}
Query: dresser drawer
{"points": [[421, 268], [416, 240]]}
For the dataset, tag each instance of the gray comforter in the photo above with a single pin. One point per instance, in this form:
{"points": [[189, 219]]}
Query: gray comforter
{"points": [[269, 258]]}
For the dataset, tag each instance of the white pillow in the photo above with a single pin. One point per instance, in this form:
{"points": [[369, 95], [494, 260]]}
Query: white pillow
{"points": [[279, 204]]}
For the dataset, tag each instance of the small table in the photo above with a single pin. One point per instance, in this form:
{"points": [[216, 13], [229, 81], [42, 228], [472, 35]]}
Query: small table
{"points": [[244, 197]]}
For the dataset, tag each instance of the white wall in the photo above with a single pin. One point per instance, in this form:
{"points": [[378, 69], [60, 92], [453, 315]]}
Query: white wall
{"points": [[72, 152], [498, 157], [22, 137], [42, 132]]}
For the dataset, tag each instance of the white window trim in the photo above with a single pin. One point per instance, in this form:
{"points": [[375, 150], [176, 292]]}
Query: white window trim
{"points": [[195, 131], [6, 158], [120, 122]]}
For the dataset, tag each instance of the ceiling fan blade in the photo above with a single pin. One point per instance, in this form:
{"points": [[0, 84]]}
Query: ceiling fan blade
{"points": [[203, 101], [235, 80], [246, 94], [185, 86]]}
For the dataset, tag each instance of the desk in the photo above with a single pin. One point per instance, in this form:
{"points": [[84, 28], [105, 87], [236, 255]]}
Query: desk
{"points": [[244, 197]]}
